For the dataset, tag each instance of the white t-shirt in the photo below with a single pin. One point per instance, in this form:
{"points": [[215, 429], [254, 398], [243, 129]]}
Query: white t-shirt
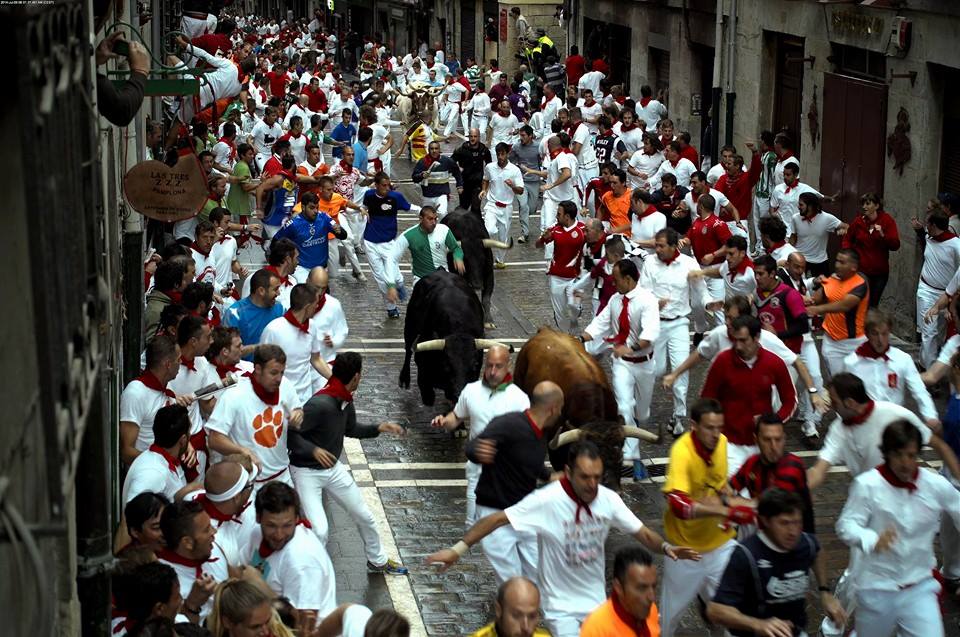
{"points": [[504, 129], [454, 92], [742, 284], [718, 197], [299, 347], [812, 235], [567, 190], [496, 176], [222, 152], [151, 472], [940, 261], [717, 340], [480, 105], [223, 254], [481, 404], [858, 446], [682, 171], [591, 80], [264, 137], [591, 112], [571, 560], [248, 421], [215, 567], [188, 382], [139, 404], [647, 228], [301, 571], [330, 320], [785, 204], [587, 157], [781, 253], [205, 266], [652, 113], [235, 535], [380, 134], [646, 164]]}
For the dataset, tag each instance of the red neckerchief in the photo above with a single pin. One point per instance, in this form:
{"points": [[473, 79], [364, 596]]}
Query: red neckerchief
{"points": [[559, 151], [175, 295], [537, 431], [705, 454], [649, 210], [866, 350], [946, 235], [674, 164], [223, 370], [892, 478], [284, 280], [265, 551], [321, 301], [623, 324], [170, 556], [621, 99], [626, 129], [172, 462], [676, 254], [271, 398], [862, 418], [790, 187], [568, 489], [428, 161], [292, 320], [741, 268], [336, 389], [787, 154], [590, 103], [638, 626], [572, 128], [606, 133], [776, 246], [664, 141], [233, 149], [214, 512], [644, 101], [189, 364], [224, 238], [149, 380]]}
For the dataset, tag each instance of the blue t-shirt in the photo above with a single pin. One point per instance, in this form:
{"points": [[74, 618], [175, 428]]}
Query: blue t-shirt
{"points": [[382, 222], [360, 156], [310, 237], [343, 133], [250, 319]]}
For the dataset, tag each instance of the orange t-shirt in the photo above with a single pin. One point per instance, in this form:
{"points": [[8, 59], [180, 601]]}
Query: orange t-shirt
{"points": [[849, 324], [619, 208], [606, 622], [333, 207]]}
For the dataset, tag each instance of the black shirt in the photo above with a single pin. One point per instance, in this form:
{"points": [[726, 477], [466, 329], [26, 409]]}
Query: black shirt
{"points": [[605, 147], [471, 160], [667, 205], [326, 420], [517, 465], [784, 578]]}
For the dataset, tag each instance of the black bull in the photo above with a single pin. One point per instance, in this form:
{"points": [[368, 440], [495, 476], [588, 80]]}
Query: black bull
{"points": [[444, 333], [468, 228]]}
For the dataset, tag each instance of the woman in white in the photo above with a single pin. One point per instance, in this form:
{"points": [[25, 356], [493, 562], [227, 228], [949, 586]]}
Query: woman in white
{"points": [[644, 162]]}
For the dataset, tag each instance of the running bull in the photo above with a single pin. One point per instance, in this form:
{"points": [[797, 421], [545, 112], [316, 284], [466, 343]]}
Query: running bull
{"points": [[467, 227], [444, 334], [589, 408]]}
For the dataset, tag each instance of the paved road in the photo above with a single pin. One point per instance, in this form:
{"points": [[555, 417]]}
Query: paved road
{"points": [[415, 484]]}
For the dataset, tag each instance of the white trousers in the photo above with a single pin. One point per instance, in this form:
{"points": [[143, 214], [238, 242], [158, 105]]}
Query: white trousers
{"points": [[497, 222], [633, 390], [949, 538], [473, 478], [380, 260], [339, 485], [931, 334], [563, 624], [548, 219], [702, 319], [481, 123], [440, 203], [674, 340], [761, 210], [683, 580], [356, 224], [349, 247], [835, 351], [451, 113], [566, 307], [911, 612], [510, 553], [810, 358], [846, 592], [737, 455], [584, 175]]}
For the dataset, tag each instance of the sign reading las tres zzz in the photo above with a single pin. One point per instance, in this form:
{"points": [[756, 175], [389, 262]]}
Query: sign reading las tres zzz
{"points": [[166, 193]]}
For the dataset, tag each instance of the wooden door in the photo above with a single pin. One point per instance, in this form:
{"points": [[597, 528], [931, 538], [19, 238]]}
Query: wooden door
{"points": [[788, 93]]}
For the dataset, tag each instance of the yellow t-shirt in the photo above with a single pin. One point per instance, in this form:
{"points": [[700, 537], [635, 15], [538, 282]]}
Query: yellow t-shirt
{"points": [[689, 474]]}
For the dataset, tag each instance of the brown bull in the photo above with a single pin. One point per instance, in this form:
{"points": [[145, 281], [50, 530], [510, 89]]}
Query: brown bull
{"points": [[588, 402], [418, 99]]}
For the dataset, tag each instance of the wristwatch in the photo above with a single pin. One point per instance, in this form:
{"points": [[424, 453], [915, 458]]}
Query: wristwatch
{"points": [[812, 390]]}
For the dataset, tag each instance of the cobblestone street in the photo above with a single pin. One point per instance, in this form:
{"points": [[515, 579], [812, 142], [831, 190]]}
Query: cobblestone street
{"points": [[415, 484]]}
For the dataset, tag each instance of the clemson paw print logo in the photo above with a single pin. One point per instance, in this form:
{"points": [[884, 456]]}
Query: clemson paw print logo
{"points": [[268, 427]]}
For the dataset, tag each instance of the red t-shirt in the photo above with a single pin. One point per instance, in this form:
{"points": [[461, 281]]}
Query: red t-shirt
{"points": [[568, 248], [691, 153], [576, 65], [707, 235], [213, 42], [740, 191], [317, 100], [873, 248], [278, 83]]}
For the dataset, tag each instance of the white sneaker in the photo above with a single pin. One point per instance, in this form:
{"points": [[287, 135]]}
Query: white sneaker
{"points": [[809, 429], [677, 427]]}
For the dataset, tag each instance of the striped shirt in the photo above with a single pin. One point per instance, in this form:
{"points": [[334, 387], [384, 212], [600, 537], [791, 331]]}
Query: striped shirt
{"points": [[789, 474], [768, 162]]}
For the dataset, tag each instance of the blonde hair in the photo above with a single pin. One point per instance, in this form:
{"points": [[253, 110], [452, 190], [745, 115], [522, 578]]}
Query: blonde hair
{"points": [[233, 600]]}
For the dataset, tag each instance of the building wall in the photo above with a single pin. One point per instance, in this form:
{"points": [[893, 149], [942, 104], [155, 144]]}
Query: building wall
{"points": [[539, 15]]}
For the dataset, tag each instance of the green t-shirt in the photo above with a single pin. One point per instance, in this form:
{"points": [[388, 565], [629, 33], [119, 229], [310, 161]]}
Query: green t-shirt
{"points": [[204, 214], [238, 200]]}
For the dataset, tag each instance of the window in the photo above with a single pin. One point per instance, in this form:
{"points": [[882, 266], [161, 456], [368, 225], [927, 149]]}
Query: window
{"points": [[851, 60]]}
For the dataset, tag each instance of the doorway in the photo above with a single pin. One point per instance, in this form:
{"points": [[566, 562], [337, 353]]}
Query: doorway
{"points": [[788, 92], [612, 42]]}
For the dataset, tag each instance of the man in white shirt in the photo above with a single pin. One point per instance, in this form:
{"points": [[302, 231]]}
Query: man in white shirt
{"points": [[264, 135], [886, 371], [481, 401], [783, 147], [255, 418], [631, 133], [890, 519], [667, 276], [681, 167], [581, 143], [502, 182], [302, 345], [227, 488], [329, 324], [195, 373], [811, 231], [699, 186], [591, 111], [452, 99], [650, 110], [292, 560], [773, 238], [158, 469], [480, 110], [560, 174], [379, 148], [784, 200], [631, 323], [941, 260], [146, 394], [590, 81], [503, 126], [571, 518], [645, 162], [736, 272], [549, 106]]}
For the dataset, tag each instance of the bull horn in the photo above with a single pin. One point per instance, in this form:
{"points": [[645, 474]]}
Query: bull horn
{"points": [[566, 438], [487, 343], [640, 434], [493, 243], [435, 345], [434, 90]]}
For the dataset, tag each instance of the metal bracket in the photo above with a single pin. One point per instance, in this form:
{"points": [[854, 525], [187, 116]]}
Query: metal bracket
{"points": [[911, 75], [811, 59]]}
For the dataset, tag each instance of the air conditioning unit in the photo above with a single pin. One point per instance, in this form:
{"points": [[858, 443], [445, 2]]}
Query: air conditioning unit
{"points": [[900, 33]]}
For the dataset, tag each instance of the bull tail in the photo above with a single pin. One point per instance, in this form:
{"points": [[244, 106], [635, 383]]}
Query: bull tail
{"points": [[405, 370]]}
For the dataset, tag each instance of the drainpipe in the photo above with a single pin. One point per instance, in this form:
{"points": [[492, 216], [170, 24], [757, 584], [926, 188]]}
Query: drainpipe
{"points": [[731, 71], [714, 149]]}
